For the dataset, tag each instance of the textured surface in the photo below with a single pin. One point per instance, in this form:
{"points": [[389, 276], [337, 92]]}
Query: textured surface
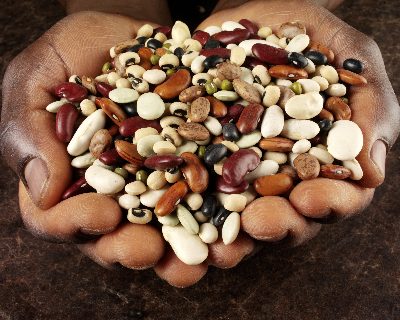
{"points": [[350, 271]]}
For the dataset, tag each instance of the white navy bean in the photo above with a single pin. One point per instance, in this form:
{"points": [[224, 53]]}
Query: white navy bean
{"points": [[265, 168], [211, 30], [151, 197], [194, 201], [355, 168], [135, 188], [272, 122], [83, 161], [54, 106], [168, 220], [123, 95], [213, 125], [187, 220], [128, 201], [235, 202], [231, 25], [103, 180], [156, 180], [225, 95], [230, 228], [154, 76], [197, 64], [278, 157], [309, 85], [249, 140], [336, 90], [180, 32], [298, 43], [322, 155], [301, 146], [300, 129], [304, 106], [208, 233], [150, 106]]}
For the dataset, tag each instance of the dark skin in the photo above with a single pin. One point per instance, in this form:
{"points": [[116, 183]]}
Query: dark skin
{"points": [[44, 166]]}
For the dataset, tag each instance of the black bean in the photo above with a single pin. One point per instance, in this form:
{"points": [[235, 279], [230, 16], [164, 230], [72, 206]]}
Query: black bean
{"points": [[209, 206], [179, 52], [214, 153], [211, 44], [353, 65], [135, 48], [230, 132], [212, 61], [153, 44], [325, 125], [142, 40], [183, 67], [130, 109], [317, 57], [297, 59], [220, 217]]}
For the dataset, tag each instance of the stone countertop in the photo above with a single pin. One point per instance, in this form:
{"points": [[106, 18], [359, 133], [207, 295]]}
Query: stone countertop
{"points": [[351, 270]]}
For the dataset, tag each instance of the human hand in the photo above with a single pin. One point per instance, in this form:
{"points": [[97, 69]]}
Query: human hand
{"points": [[374, 108]]}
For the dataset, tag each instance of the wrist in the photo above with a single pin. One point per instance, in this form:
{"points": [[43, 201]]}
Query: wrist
{"points": [[156, 11]]}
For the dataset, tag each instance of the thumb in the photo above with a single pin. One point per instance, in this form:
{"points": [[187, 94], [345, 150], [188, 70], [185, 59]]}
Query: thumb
{"points": [[27, 133]]}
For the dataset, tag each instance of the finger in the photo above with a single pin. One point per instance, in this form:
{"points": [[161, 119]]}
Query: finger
{"points": [[321, 198], [78, 44], [227, 256], [132, 245], [85, 214], [273, 219], [177, 273]]}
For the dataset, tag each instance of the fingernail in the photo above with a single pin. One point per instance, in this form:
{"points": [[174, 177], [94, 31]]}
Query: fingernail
{"points": [[36, 174], [378, 155]]}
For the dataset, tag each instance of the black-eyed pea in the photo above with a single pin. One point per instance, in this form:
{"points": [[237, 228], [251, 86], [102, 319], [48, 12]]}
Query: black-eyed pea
{"points": [[135, 71], [261, 75], [156, 180], [171, 134], [128, 201], [135, 188], [139, 216], [194, 200], [173, 177], [271, 95], [208, 233]]}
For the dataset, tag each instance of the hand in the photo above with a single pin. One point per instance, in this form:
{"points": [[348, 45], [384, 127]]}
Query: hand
{"points": [[375, 109]]}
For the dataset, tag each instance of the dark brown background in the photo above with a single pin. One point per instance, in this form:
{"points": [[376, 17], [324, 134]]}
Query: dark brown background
{"points": [[350, 271]]}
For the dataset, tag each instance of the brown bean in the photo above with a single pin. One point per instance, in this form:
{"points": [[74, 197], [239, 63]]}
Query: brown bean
{"points": [[290, 30], [249, 118], [228, 70], [222, 186], [247, 91], [112, 110], [195, 172], [287, 72], [276, 144], [351, 78], [193, 131], [289, 170], [235, 36], [172, 87], [339, 108], [131, 168], [66, 120], [315, 46], [100, 142], [131, 125], [333, 171], [222, 52], [89, 84], [238, 165], [307, 166], [145, 55], [326, 115], [286, 94], [191, 93], [160, 51], [171, 198], [71, 91], [163, 162], [199, 110], [128, 152], [217, 108], [274, 185]]}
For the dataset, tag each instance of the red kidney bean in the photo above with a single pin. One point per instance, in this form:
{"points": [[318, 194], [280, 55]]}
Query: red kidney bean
{"points": [[249, 25], [236, 36], [222, 186], [222, 52], [201, 36], [163, 29], [233, 114], [65, 122], [249, 118], [270, 54], [110, 157], [78, 187], [71, 91], [163, 162], [238, 165], [129, 126], [252, 62], [103, 88], [255, 37]]}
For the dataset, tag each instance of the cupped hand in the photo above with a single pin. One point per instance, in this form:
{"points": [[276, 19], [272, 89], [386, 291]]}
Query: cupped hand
{"points": [[374, 108]]}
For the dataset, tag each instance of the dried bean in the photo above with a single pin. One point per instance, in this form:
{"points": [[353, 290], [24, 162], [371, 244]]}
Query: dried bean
{"points": [[171, 198], [163, 162], [249, 118], [71, 91], [238, 165], [66, 117], [194, 172]]}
